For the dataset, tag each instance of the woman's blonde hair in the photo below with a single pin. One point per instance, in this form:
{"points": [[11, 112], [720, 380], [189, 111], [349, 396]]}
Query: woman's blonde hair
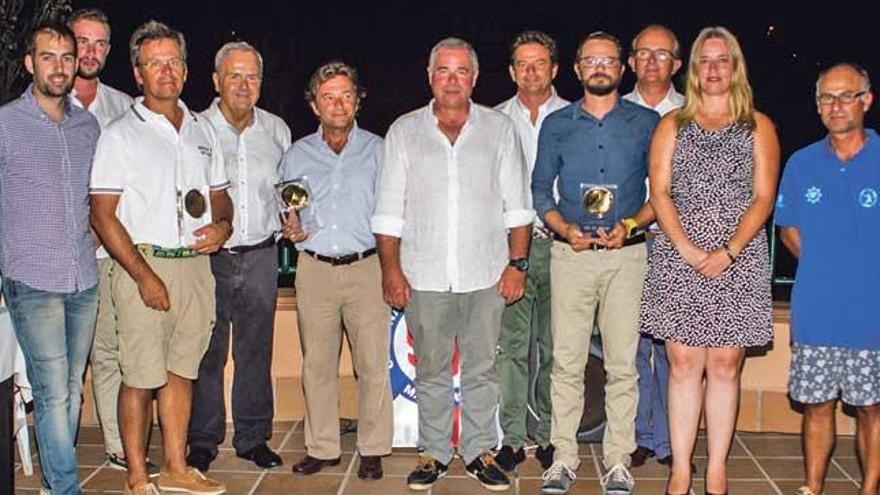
{"points": [[741, 104]]}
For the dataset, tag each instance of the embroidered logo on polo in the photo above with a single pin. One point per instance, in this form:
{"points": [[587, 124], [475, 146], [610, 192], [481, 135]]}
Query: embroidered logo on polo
{"points": [[868, 197], [813, 195]]}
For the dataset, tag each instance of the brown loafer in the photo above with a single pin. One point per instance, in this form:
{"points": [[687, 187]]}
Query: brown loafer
{"points": [[311, 465], [370, 467]]}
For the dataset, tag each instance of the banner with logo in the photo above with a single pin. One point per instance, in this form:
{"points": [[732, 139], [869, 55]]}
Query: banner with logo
{"points": [[403, 387]]}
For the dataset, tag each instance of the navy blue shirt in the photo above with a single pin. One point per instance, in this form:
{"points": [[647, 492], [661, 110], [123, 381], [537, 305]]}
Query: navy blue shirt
{"points": [[577, 148], [834, 205]]}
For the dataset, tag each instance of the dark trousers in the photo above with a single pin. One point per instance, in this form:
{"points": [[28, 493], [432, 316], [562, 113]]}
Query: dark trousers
{"points": [[246, 292]]}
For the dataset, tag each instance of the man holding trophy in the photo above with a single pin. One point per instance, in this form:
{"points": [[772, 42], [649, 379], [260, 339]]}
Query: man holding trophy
{"points": [[159, 203], [597, 149], [328, 194]]}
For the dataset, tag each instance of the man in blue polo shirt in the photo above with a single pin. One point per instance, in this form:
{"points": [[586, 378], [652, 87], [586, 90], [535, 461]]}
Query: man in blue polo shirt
{"points": [[596, 149], [829, 216]]}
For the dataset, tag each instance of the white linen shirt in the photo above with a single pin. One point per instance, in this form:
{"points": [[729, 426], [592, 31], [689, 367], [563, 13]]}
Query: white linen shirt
{"points": [[109, 104], [451, 205], [145, 160], [253, 160], [528, 132], [672, 101]]}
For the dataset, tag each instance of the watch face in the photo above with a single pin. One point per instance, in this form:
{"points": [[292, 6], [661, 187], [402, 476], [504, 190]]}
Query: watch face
{"points": [[520, 264]]}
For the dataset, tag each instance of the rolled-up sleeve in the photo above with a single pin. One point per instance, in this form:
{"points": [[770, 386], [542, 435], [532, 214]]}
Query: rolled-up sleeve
{"points": [[515, 193], [391, 189], [545, 172]]}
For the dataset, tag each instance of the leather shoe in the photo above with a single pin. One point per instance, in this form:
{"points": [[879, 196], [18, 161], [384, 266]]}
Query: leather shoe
{"points": [[199, 458], [311, 465], [640, 455], [262, 456], [370, 467]]}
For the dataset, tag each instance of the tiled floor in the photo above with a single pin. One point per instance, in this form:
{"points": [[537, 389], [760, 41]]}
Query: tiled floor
{"points": [[759, 464]]}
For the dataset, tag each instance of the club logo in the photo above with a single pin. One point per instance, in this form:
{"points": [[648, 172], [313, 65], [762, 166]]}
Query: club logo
{"points": [[813, 195], [868, 197]]}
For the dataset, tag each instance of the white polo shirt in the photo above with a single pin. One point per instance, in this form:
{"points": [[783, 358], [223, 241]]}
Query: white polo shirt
{"points": [[109, 104], [145, 160], [253, 160]]}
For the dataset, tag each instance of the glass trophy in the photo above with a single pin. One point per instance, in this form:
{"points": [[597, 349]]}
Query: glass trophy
{"points": [[600, 204], [295, 197], [193, 212]]}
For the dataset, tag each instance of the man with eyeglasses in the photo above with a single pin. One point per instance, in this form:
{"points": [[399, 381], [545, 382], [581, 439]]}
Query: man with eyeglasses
{"points": [[597, 150], [654, 60], [829, 218], [91, 28], [534, 63], [159, 204]]}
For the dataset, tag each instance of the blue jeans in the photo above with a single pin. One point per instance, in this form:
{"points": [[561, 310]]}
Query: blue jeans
{"points": [[55, 334], [652, 425]]}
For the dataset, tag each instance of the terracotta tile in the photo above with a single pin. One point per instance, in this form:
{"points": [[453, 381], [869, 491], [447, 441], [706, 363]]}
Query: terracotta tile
{"points": [[290, 484], [458, 486], [288, 398], [846, 446], [227, 461], [90, 435], [651, 469], [701, 448], [399, 464], [748, 417], [774, 445], [831, 487], [580, 487], [777, 414], [846, 424], [291, 458], [274, 442], [389, 485], [295, 442], [236, 482], [91, 456], [737, 468], [757, 487], [850, 465], [33, 482], [107, 480], [794, 469]]}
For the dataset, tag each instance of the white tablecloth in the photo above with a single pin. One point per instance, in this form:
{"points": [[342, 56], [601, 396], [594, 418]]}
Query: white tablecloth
{"points": [[12, 363]]}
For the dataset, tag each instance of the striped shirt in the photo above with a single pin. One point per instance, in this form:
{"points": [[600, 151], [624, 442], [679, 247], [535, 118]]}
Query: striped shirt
{"points": [[44, 196]]}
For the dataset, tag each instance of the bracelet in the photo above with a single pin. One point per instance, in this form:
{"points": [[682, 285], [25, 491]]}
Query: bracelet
{"points": [[728, 252]]}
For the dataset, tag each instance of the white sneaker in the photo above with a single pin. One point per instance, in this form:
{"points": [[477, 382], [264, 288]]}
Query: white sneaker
{"points": [[617, 481], [558, 479]]}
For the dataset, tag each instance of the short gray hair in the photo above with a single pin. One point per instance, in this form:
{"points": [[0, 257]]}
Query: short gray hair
{"points": [[453, 43], [153, 30], [866, 79], [676, 46], [232, 46]]}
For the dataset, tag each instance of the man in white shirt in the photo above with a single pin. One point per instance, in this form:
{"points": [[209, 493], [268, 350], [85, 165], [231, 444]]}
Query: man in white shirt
{"points": [[655, 58], [92, 30], [245, 270], [159, 204], [533, 66], [453, 223]]}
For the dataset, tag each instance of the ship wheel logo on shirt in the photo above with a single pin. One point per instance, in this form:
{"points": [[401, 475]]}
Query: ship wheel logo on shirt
{"points": [[868, 197], [813, 195]]}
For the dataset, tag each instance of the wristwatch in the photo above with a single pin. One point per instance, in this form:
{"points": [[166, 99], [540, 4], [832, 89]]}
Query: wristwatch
{"points": [[631, 226], [521, 264]]}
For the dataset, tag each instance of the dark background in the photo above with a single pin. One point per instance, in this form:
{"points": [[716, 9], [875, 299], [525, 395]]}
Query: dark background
{"points": [[388, 42]]}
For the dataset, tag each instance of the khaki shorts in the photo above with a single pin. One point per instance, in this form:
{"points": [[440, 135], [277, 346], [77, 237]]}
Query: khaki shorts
{"points": [[153, 343]]}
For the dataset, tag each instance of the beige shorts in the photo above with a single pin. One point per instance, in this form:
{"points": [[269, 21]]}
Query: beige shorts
{"points": [[153, 343]]}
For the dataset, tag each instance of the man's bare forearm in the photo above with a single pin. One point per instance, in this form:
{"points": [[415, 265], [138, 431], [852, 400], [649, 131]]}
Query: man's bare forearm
{"points": [[519, 239], [389, 252]]}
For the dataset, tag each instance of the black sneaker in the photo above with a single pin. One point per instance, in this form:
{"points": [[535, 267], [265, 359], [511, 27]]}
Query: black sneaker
{"points": [[426, 473], [199, 458], [507, 458], [544, 455], [485, 470], [121, 464]]}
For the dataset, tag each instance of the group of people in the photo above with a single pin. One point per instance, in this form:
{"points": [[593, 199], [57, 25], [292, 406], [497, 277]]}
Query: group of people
{"points": [[509, 232]]}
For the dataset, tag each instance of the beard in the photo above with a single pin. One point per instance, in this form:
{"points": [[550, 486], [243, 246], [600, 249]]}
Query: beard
{"points": [[43, 86], [601, 89], [89, 74]]}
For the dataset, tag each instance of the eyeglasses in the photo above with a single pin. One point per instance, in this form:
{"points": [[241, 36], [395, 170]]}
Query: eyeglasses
{"points": [[592, 62], [843, 98], [660, 55], [156, 65]]}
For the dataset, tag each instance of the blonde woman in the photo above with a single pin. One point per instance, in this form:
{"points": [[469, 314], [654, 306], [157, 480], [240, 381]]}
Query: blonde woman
{"points": [[713, 172]]}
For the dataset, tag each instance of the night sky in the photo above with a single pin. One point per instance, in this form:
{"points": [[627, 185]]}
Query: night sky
{"points": [[388, 42]]}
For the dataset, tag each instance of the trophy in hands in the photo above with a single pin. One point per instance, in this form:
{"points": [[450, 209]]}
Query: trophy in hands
{"points": [[600, 203], [295, 197]]}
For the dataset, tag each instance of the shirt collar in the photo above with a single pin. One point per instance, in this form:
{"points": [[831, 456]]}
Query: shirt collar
{"points": [[671, 96], [352, 135], [579, 112], [145, 114], [215, 115], [472, 113], [98, 92], [541, 108]]}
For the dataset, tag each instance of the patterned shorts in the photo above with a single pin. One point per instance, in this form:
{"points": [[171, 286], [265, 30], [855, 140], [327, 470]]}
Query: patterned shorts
{"points": [[820, 374]]}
